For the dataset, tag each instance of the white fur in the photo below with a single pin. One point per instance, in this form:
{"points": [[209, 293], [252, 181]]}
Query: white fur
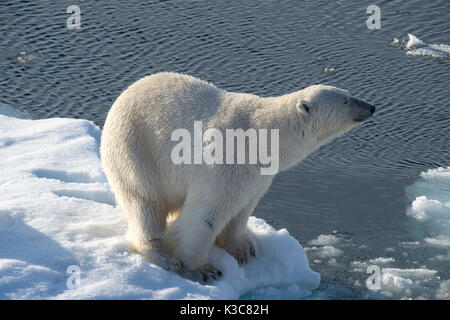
{"points": [[176, 212]]}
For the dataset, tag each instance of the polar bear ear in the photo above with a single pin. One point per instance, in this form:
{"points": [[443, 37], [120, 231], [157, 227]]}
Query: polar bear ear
{"points": [[303, 106]]}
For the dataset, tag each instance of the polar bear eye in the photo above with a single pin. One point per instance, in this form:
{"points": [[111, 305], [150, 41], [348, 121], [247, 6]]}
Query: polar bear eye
{"points": [[302, 107]]}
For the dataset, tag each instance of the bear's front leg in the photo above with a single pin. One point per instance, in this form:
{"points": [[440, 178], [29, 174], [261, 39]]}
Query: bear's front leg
{"points": [[191, 237], [241, 247], [236, 239]]}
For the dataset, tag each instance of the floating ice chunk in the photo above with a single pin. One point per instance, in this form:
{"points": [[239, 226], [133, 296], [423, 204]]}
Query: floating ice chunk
{"points": [[394, 42], [413, 42], [441, 257], [395, 284], [436, 173], [444, 290], [359, 266], [333, 262], [407, 283], [324, 240], [401, 283], [323, 247], [329, 252], [416, 47], [329, 70], [413, 274], [440, 241], [381, 260], [430, 198], [28, 57], [422, 205], [409, 243]]}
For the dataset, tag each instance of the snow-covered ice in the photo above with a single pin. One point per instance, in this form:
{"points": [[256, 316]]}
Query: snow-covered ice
{"points": [[57, 211]]}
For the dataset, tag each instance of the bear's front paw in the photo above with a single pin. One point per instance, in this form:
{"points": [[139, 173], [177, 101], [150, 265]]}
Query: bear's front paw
{"points": [[242, 247], [203, 275]]}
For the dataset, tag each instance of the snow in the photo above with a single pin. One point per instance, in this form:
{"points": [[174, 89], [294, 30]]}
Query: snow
{"points": [[63, 237]]}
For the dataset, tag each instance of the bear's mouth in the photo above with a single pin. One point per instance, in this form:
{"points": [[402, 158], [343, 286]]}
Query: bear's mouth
{"points": [[368, 112], [361, 119]]}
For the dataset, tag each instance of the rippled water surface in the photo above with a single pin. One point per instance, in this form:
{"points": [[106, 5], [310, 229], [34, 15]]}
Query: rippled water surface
{"points": [[354, 186]]}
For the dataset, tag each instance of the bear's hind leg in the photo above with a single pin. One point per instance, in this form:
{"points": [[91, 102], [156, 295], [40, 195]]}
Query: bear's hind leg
{"points": [[146, 226]]}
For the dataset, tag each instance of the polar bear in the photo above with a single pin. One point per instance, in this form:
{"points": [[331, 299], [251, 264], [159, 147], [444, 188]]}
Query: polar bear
{"points": [[176, 212]]}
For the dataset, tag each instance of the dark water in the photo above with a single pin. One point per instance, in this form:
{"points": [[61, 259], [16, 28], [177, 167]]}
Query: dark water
{"points": [[354, 186]]}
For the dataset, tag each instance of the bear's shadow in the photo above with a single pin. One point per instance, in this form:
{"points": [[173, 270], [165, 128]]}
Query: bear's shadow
{"points": [[30, 249]]}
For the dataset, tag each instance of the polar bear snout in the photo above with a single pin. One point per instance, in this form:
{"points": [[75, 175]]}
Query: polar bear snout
{"points": [[361, 110]]}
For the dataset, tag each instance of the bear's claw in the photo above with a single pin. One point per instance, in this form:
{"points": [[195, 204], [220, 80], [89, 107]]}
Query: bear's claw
{"points": [[163, 259], [203, 275], [241, 248]]}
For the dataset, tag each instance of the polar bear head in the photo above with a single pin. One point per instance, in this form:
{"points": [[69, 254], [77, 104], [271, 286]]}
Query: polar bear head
{"points": [[327, 112], [318, 114]]}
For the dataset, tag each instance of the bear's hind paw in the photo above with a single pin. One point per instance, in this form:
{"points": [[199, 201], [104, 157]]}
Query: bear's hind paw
{"points": [[163, 259]]}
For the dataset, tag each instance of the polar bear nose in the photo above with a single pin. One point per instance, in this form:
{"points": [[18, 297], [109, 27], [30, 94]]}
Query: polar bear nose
{"points": [[362, 110]]}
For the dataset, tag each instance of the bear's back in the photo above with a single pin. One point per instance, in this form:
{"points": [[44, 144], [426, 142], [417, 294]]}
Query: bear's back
{"points": [[175, 97]]}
